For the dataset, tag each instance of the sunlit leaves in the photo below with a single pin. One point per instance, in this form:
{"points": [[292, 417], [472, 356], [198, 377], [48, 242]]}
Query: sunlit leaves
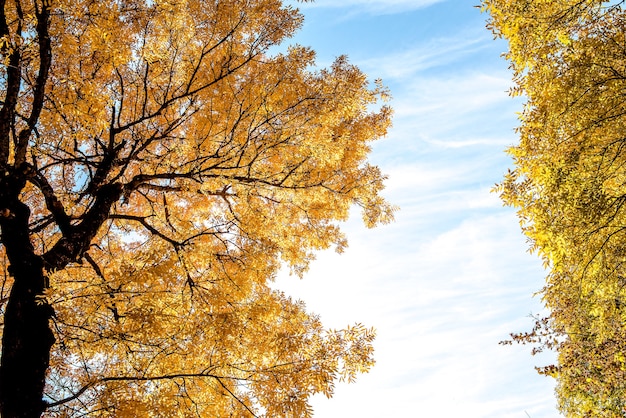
{"points": [[568, 185], [175, 167]]}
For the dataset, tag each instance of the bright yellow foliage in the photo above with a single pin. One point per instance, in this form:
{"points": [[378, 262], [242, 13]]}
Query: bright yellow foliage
{"points": [[228, 162], [569, 185]]}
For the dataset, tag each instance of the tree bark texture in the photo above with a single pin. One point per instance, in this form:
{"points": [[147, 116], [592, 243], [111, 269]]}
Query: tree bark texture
{"points": [[27, 338]]}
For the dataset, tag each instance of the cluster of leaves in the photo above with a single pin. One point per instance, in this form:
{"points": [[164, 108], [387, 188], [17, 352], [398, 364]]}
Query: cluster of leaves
{"points": [[221, 163], [569, 185]]}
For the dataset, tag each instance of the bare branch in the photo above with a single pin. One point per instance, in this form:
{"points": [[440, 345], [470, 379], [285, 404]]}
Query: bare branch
{"points": [[104, 380], [53, 204], [45, 60], [12, 87], [153, 230]]}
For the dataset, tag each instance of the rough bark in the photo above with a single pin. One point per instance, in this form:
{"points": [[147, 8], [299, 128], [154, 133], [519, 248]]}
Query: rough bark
{"points": [[27, 338]]}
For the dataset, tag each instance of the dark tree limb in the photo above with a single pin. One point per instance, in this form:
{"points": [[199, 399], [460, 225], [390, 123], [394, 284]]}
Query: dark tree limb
{"points": [[27, 338], [45, 60]]}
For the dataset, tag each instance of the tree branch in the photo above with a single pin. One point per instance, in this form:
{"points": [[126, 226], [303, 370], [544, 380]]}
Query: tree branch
{"points": [[53, 204], [149, 379], [73, 244], [45, 60], [153, 230], [12, 86]]}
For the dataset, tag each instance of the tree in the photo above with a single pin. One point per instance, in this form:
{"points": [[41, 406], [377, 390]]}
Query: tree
{"points": [[569, 186], [158, 165]]}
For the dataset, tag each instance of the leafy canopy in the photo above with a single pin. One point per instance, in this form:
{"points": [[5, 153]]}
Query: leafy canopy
{"points": [[171, 166], [569, 185]]}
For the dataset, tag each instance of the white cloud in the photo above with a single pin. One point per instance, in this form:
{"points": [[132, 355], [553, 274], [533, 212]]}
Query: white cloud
{"points": [[441, 302], [377, 7], [465, 107], [433, 53], [451, 277]]}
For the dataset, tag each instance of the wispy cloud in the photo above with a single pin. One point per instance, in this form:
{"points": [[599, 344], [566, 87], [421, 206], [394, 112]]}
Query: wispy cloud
{"points": [[431, 54], [438, 328], [377, 7], [451, 278], [443, 94]]}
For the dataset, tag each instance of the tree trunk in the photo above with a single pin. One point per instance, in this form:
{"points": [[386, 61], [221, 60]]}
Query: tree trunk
{"points": [[27, 338]]}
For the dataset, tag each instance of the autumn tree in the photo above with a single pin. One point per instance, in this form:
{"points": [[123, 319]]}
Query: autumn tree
{"points": [[160, 161], [569, 185]]}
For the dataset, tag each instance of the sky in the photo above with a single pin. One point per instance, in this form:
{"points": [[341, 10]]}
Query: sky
{"points": [[451, 277]]}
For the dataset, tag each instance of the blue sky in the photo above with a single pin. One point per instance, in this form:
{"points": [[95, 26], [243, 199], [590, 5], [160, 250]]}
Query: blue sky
{"points": [[451, 277]]}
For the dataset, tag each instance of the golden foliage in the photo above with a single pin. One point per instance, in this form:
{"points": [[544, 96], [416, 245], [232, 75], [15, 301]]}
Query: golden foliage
{"points": [[568, 184], [174, 166]]}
